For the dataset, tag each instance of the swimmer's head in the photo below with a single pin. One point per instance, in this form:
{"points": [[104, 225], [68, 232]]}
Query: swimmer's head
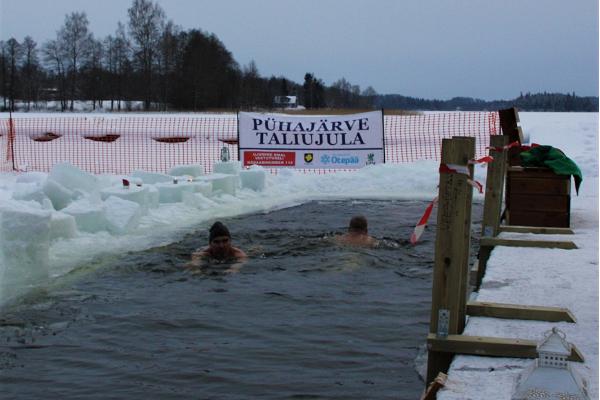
{"points": [[218, 230], [358, 224]]}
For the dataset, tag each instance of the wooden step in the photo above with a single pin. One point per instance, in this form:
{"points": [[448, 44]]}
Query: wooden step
{"points": [[490, 346], [536, 229], [517, 311], [544, 244]]}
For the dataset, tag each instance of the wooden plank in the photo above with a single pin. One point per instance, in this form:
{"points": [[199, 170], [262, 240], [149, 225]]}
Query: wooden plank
{"points": [[517, 311], [538, 185], [544, 219], [490, 346], [540, 202], [544, 244], [494, 187], [536, 229]]}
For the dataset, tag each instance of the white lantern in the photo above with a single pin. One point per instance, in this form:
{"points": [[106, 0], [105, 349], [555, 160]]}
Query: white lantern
{"points": [[551, 376]]}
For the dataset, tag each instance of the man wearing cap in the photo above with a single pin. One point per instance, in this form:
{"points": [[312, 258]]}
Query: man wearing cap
{"points": [[219, 247]]}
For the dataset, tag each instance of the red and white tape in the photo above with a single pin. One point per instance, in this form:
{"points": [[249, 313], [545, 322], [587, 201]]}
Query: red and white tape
{"points": [[482, 160], [463, 170], [420, 228], [508, 146], [448, 169]]}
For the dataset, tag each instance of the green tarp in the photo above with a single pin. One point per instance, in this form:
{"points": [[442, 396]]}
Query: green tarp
{"points": [[553, 158]]}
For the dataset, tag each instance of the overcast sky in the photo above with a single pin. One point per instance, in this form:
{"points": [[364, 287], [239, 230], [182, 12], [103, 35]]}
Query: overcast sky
{"points": [[486, 49]]}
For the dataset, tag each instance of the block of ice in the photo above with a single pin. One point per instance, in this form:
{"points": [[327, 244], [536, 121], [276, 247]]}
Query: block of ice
{"points": [[122, 216], [254, 179], [90, 217], [29, 191], [59, 195], [227, 167], [198, 200], [72, 177], [153, 196], [222, 183], [200, 186], [24, 246], [137, 194], [47, 204], [189, 169], [151, 177], [62, 226], [172, 192], [32, 177]]}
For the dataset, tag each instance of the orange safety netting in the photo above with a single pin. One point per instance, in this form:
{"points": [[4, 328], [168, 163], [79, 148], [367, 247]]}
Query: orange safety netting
{"points": [[122, 144]]}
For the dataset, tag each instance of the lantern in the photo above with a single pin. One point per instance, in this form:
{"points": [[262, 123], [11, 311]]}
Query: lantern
{"points": [[551, 376]]}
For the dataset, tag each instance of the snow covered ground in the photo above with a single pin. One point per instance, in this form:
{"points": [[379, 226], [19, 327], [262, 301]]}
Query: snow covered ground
{"points": [[38, 243]]}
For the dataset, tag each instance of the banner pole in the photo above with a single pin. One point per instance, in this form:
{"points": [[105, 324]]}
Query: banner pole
{"points": [[11, 139], [237, 116], [383, 132]]}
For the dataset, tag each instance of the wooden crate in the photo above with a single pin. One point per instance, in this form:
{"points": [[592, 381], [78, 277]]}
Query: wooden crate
{"points": [[537, 197]]}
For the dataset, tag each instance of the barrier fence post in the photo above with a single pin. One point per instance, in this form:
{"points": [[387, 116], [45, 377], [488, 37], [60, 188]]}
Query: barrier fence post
{"points": [[453, 237], [11, 141]]}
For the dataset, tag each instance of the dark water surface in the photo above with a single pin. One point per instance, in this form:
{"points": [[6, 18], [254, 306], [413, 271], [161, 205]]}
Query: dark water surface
{"points": [[304, 319]]}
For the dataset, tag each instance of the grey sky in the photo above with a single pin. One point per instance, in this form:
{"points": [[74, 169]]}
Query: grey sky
{"points": [[423, 48]]}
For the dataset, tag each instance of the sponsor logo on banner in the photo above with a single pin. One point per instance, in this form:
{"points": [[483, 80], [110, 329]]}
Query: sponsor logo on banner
{"points": [[370, 159], [308, 158], [270, 158], [339, 159]]}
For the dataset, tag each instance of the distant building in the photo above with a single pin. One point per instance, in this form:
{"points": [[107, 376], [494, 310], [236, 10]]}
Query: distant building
{"points": [[49, 94], [285, 102]]}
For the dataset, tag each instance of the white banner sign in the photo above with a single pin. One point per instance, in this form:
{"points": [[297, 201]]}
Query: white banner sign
{"points": [[330, 141]]}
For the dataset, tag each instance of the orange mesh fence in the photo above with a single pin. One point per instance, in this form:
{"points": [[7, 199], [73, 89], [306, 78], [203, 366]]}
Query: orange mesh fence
{"points": [[122, 144]]}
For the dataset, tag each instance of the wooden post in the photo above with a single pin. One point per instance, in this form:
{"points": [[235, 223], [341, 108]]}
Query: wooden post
{"points": [[453, 238], [492, 206], [509, 121], [494, 187], [463, 287]]}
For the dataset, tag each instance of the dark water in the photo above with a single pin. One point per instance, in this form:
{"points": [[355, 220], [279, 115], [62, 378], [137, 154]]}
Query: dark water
{"points": [[304, 319]]}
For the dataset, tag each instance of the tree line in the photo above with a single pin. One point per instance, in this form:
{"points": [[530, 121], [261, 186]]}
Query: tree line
{"points": [[525, 102], [151, 59]]}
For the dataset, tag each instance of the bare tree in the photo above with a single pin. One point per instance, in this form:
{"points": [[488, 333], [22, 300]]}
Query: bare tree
{"points": [[3, 74], [146, 20], [13, 55], [169, 47], [75, 39], [121, 55], [369, 95], [30, 71], [94, 73], [54, 59]]}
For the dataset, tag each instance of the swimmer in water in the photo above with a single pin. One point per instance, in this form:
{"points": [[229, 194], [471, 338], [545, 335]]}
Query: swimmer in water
{"points": [[358, 234], [219, 249]]}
